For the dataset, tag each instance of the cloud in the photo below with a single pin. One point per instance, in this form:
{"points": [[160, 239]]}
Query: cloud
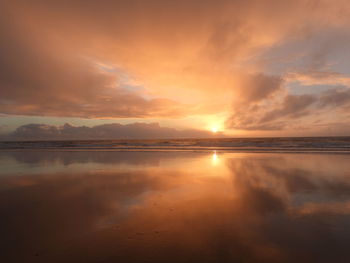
{"points": [[336, 98], [292, 107], [256, 87], [38, 77], [105, 131], [292, 110], [156, 59], [309, 78]]}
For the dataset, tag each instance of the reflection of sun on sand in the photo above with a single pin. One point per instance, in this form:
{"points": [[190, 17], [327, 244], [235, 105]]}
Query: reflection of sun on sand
{"points": [[214, 158]]}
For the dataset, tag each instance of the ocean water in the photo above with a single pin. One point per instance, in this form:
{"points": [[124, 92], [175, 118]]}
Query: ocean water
{"points": [[228, 200], [223, 144]]}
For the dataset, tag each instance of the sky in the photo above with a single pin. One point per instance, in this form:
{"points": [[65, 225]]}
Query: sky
{"points": [[235, 68]]}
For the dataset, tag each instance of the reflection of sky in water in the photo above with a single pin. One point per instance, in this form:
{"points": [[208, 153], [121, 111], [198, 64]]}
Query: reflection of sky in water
{"points": [[174, 207]]}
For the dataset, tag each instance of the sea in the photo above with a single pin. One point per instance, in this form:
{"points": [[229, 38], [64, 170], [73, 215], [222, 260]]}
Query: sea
{"points": [[269, 144]]}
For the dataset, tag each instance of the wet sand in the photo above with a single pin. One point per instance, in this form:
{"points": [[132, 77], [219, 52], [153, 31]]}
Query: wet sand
{"points": [[99, 206]]}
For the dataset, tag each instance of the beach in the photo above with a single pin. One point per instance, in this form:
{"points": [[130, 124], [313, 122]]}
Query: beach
{"points": [[64, 205], [163, 131]]}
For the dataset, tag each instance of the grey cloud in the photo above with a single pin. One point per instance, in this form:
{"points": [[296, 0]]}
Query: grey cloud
{"points": [[105, 131], [254, 89], [292, 108], [335, 98], [257, 87], [312, 77]]}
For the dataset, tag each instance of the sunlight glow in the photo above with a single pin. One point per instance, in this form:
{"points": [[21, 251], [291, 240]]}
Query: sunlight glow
{"points": [[214, 158], [214, 129]]}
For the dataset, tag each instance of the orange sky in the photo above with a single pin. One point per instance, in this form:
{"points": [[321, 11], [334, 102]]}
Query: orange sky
{"points": [[243, 67]]}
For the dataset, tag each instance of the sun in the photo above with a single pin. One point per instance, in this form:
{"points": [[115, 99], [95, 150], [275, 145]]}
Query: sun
{"points": [[214, 129]]}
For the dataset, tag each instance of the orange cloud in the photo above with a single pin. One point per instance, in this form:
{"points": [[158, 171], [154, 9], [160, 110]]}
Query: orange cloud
{"points": [[185, 57]]}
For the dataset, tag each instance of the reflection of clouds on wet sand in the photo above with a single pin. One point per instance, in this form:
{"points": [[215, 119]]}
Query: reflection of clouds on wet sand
{"points": [[245, 208], [77, 161]]}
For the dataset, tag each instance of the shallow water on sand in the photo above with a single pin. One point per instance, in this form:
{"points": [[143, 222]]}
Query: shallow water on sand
{"points": [[99, 206]]}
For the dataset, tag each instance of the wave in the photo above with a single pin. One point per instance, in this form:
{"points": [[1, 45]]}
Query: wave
{"points": [[339, 144]]}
